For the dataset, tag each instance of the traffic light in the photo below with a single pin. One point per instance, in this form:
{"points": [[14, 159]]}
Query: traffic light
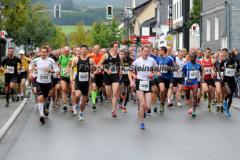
{"points": [[57, 11], [138, 40], [109, 12]]}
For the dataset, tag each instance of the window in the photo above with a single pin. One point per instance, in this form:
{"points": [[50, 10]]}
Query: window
{"points": [[208, 33], [216, 28]]}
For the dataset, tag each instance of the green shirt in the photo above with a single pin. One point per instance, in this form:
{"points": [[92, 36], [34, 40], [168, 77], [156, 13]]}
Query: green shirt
{"points": [[63, 63]]}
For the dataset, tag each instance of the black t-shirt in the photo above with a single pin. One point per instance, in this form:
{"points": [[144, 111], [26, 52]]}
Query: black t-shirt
{"points": [[11, 65], [230, 69]]}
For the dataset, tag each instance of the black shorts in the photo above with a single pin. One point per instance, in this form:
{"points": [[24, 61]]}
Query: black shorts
{"points": [[165, 81], [177, 81], [82, 86], [125, 80], [155, 82], [22, 75], [55, 81], [110, 79], [138, 83], [10, 78], [65, 79], [98, 79], [43, 89], [210, 82], [218, 80]]}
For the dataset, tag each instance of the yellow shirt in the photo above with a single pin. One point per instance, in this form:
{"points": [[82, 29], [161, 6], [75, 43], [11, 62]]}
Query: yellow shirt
{"points": [[25, 64]]}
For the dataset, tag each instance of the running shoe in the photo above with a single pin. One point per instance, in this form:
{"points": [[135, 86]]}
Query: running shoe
{"points": [[46, 112], [209, 108], [194, 114], [179, 104], [222, 110], [65, 108], [22, 98], [169, 105], [94, 107], [155, 110], [13, 99], [149, 112], [114, 114], [124, 110], [218, 108], [120, 106], [161, 109], [190, 111], [214, 102], [225, 105], [142, 126], [7, 104], [42, 120], [17, 99], [74, 112], [81, 117], [228, 114]]}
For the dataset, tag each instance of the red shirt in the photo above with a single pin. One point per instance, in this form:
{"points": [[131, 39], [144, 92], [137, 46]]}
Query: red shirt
{"points": [[207, 68]]}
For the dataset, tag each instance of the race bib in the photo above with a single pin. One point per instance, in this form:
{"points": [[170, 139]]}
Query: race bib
{"points": [[207, 70], [229, 72], [44, 77], [194, 74], [83, 76], [10, 69], [114, 70], [125, 70], [65, 72], [163, 69], [220, 75], [144, 86], [177, 74]]}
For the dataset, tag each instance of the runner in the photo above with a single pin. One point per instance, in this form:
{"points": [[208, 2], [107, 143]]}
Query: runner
{"points": [[218, 78], [231, 68], [178, 77], [97, 82], [83, 64], [124, 82], [192, 72], [63, 62], [111, 64], [10, 66], [165, 63], [23, 74], [208, 84], [144, 66], [45, 67]]}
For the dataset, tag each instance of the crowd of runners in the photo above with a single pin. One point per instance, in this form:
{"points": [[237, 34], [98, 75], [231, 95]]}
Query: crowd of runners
{"points": [[154, 79]]}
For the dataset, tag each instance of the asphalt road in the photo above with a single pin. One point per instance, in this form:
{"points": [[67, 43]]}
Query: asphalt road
{"points": [[172, 136]]}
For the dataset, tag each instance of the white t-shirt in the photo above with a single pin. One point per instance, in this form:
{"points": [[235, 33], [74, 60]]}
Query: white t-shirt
{"points": [[143, 67], [43, 76], [179, 73]]}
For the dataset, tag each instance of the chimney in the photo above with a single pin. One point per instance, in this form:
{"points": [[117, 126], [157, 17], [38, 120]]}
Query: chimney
{"points": [[133, 3]]}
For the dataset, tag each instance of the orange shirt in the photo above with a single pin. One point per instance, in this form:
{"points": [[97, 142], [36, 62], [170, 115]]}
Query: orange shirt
{"points": [[97, 58]]}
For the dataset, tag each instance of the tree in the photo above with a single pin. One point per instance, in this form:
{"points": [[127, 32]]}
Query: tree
{"points": [[104, 34], [80, 36], [195, 13]]}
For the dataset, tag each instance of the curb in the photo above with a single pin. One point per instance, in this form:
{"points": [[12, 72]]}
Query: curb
{"points": [[12, 118]]}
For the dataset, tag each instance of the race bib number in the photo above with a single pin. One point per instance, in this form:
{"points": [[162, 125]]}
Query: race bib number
{"points": [[114, 70], [65, 72], [194, 74], [44, 77], [83, 76], [207, 70], [10, 69], [144, 86], [229, 72], [125, 71], [177, 74]]}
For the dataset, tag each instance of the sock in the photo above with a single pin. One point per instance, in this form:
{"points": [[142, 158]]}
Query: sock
{"points": [[7, 97], [22, 94], [40, 109], [94, 96]]}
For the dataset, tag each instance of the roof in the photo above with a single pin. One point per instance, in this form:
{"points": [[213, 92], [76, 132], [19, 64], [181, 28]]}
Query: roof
{"points": [[138, 2]]}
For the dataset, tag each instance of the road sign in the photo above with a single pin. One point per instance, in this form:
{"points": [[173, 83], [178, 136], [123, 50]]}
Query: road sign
{"points": [[195, 30], [169, 40]]}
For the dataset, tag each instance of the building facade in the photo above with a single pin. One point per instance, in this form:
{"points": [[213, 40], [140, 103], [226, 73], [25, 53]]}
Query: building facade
{"points": [[220, 24], [178, 15]]}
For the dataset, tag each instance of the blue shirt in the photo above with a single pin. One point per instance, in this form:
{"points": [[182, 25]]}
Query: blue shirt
{"points": [[192, 73], [154, 57], [163, 63]]}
